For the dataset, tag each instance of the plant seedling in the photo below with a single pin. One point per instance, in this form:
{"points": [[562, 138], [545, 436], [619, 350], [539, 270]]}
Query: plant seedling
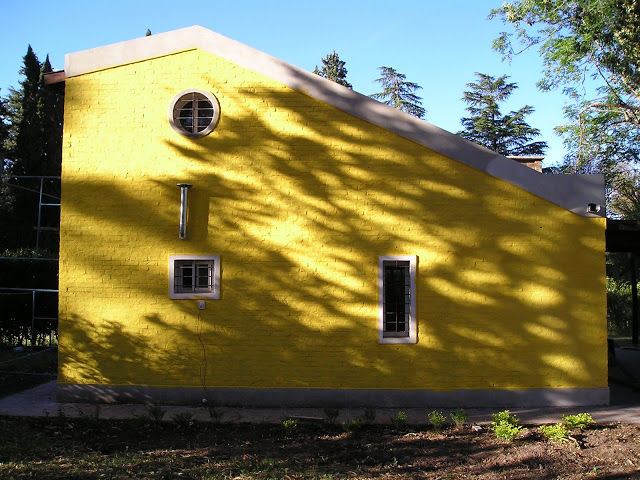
{"points": [[289, 424], [351, 425], [459, 417], [437, 419], [580, 420], [399, 420], [505, 426], [183, 420], [554, 433]]}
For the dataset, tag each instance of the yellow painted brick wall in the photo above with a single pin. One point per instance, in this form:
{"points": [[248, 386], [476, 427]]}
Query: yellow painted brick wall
{"points": [[300, 200]]}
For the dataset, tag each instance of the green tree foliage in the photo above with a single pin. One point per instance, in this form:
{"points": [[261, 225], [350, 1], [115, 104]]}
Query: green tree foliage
{"points": [[333, 69], [6, 197], [27, 152], [598, 142], [50, 116], [584, 42], [399, 93], [619, 296], [507, 134], [580, 38], [32, 145], [4, 129], [34, 122]]}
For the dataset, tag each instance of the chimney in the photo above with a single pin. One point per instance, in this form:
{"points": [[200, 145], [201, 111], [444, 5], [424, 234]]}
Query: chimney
{"points": [[531, 161]]}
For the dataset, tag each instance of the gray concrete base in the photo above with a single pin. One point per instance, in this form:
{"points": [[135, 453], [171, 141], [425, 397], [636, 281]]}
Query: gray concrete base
{"points": [[284, 397]]}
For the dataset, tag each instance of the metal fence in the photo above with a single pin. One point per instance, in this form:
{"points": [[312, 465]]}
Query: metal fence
{"points": [[30, 314]]}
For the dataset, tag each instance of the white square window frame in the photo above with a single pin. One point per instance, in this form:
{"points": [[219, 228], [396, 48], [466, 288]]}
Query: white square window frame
{"points": [[213, 295], [413, 330]]}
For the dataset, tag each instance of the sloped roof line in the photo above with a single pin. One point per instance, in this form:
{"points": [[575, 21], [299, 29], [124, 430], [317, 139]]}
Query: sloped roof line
{"points": [[573, 192]]}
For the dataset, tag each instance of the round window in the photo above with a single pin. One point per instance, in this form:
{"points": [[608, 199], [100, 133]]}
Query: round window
{"points": [[194, 113]]}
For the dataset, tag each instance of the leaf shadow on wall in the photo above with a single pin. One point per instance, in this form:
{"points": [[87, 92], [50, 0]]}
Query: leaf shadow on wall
{"points": [[299, 205]]}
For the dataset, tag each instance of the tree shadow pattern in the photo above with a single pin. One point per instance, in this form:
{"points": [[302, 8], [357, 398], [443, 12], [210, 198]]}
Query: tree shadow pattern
{"points": [[299, 200]]}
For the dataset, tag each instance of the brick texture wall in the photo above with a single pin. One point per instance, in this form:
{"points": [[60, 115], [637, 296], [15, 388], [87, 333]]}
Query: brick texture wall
{"points": [[300, 200]]}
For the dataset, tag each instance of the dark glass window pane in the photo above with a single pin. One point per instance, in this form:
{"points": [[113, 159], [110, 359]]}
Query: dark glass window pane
{"points": [[194, 113], [396, 297], [187, 278], [186, 116], [203, 276]]}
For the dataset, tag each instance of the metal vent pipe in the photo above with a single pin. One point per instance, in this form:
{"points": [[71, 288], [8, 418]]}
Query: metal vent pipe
{"points": [[184, 188]]}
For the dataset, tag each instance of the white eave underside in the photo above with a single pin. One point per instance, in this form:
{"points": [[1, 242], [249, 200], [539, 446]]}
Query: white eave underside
{"points": [[573, 192]]}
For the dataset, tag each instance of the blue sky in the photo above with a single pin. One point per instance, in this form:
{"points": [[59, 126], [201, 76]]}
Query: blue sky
{"points": [[437, 44]]}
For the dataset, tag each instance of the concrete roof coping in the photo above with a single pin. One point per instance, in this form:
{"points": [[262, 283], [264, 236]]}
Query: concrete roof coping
{"points": [[581, 194]]}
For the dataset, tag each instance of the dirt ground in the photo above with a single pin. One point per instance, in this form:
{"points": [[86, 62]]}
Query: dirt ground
{"points": [[20, 370], [61, 447]]}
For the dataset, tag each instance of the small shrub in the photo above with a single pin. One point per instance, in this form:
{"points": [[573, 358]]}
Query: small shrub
{"points": [[555, 433], [581, 420], [290, 424], [459, 417], [506, 431], [351, 425], [369, 415], [156, 413], [331, 414], [183, 420], [505, 426], [505, 416], [437, 419], [399, 420]]}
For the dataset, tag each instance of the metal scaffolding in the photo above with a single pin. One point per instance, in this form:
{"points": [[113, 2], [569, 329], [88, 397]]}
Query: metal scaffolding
{"points": [[47, 200]]}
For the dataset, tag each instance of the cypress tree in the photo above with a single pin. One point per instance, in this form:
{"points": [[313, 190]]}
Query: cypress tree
{"points": [[50, 113], [33, 144], [27, 152], [6, 196], [4, 135]]}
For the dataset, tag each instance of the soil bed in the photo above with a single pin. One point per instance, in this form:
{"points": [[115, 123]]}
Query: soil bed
{"points": [[82, 448]]}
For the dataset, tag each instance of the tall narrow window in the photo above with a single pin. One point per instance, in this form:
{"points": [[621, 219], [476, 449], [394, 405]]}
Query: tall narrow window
{"points": [[396, 318]]}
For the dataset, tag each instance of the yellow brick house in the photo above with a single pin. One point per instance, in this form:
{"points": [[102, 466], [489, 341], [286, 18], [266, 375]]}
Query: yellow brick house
{"points": [[238, 229]]}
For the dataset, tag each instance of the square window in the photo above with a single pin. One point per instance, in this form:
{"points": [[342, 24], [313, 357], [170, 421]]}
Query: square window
{"points": [[194, 276], [397, 304]]}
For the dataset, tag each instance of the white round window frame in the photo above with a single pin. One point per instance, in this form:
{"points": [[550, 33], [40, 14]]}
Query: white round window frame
{"points": [[214, 121]]}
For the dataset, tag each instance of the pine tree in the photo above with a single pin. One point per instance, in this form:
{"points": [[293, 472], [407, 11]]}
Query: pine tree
{"points": [[33, 144], [6, 196], [4, 134], [27, 151], [333, 69], [399, 93], [35, 111], [50, 115], [508, 134]]}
